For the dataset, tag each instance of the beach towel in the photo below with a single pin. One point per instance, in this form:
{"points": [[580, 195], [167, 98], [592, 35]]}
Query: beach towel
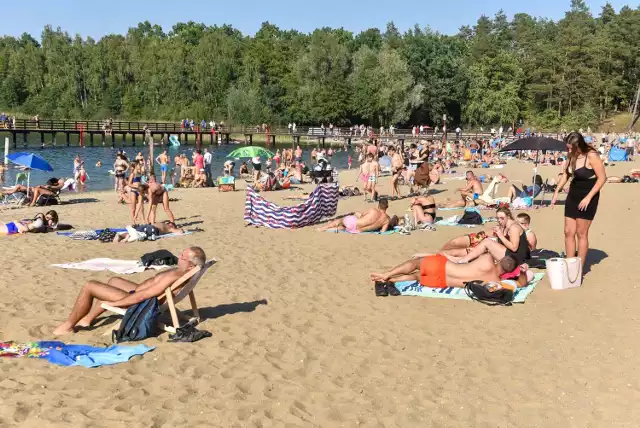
{"points": [[388, 232], [72, 355], [453, 221], [322, 202], [413, 288], [121, 267], [91, 235]]}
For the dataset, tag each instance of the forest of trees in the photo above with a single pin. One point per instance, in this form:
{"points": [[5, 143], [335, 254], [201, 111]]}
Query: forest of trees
{"points": [[571, 73]]}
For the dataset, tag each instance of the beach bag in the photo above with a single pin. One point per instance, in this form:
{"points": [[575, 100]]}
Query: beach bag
{"points": [[539, 258], [490, 293], [471, 217], [564, 273], [46, 200], [106, 236], [159, 258], [138, 322]]}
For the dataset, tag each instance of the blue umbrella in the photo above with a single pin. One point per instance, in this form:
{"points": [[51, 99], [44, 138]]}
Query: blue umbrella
{"points": [[31, 161]]}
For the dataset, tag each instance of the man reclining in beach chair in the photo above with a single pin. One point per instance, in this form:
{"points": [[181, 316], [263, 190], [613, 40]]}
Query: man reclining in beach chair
{"points": [[120, 293], [436, 271]]}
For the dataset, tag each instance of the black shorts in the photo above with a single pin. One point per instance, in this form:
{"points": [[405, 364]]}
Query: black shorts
{"points": [[119, 174], [257, 166]]}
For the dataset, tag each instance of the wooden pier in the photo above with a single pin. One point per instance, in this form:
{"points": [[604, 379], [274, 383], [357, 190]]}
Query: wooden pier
{"points": [[91, 132]]}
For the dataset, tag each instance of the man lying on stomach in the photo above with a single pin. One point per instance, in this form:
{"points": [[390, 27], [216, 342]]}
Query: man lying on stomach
{"points": [[372, 220], [121, 293]]}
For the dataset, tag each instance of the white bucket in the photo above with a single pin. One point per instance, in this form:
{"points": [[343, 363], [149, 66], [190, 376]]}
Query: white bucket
{"points": [[564, 273]]}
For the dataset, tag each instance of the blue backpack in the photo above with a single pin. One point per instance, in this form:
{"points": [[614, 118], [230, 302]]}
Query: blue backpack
{"points": [[138, 322]]}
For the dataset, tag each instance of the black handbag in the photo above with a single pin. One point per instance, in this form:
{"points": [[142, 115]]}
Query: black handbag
{"points": [[489, 293]]}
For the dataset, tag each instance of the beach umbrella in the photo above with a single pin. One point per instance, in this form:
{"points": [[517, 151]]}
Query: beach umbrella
{"points": [[537, 144], [250, 152], [31, 161]]}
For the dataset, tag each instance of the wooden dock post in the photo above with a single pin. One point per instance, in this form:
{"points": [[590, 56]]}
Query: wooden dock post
{"points": [[15, 141], [42, 139], [91, 139], [133, 136], [68, 135], [24, 139]]}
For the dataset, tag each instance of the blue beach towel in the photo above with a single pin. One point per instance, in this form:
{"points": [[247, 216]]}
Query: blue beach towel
{"points": [[73, 355], [413, 288]]}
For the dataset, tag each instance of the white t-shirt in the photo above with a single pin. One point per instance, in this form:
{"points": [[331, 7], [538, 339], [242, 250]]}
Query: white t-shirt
{"points": [[207, 158], [458, 129]]}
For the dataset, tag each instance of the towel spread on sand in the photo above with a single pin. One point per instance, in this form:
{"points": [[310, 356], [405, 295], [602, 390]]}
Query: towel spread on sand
{"points": [[453, 221], [413, 288], [388, 232], [121, 267], [72, 355], [91, 235]]}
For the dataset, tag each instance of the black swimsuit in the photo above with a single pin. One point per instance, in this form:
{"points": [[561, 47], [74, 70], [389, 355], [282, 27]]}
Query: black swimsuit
{"points": [[583, 181], [429, 207], [522, 253]]}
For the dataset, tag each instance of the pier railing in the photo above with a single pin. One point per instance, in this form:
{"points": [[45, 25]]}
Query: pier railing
{"points": [[95, 126]]}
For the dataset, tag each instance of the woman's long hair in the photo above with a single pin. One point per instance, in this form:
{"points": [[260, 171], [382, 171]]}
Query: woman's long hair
{"points": [[578, 146]]}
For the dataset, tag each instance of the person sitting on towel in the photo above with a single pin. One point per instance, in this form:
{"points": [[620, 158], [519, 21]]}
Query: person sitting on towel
{"points": [[525, 221], [469, 193], [372, 220], [121, 293], [435, 271], [509, 238], [156, 229]]}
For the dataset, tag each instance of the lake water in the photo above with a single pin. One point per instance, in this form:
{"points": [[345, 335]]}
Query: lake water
{"points": [[61, 159]]}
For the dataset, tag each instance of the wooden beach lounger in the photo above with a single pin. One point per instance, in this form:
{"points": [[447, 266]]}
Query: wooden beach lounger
{"points": [[186, 285]]}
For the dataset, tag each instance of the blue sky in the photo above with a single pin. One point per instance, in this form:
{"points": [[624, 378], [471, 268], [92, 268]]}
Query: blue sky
{"points": [[97, 18]]}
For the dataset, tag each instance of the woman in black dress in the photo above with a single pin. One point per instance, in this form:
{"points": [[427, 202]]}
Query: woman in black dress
{"points": [[587, 170]]}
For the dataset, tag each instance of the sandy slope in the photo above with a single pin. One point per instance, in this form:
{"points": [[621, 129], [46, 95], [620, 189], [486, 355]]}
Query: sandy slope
{"points": [[301, 340]]}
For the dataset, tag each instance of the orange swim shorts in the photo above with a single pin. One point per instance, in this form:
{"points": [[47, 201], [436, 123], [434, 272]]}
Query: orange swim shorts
{"points": [[433, 271]]}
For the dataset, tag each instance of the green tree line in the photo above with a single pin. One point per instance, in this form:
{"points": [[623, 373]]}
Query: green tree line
{"points": [[573, 72]]}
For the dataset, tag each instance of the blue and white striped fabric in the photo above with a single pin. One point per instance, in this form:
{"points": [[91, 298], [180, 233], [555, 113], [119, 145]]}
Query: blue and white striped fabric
{"points": [[413, 288], [322, 202]]}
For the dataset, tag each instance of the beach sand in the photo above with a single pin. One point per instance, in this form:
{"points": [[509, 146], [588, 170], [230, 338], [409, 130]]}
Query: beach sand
{"points": [[299, 338]]}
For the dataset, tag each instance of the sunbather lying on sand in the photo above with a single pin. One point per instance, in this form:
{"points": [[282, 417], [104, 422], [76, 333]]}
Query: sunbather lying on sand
{"points": [[121, 293], [156, 229], [41, 222], [372, 220], [436, 271]]}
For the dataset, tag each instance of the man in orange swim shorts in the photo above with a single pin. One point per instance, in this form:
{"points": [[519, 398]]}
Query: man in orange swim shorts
{"points": [[437, 271]]}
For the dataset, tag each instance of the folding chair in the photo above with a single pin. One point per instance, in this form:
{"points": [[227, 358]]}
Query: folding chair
{"points": [[16, 198], [186, 285]]}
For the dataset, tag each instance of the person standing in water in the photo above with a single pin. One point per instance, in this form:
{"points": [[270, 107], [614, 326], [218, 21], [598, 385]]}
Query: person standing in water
{"points": [[163, 160]]}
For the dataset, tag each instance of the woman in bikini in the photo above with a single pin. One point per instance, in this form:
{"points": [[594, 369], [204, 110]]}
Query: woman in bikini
{"points": [[40, 223], [135, 192], [424, 209]]}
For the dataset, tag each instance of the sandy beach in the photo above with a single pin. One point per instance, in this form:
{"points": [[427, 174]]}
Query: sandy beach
{"points": [[299, 338]]}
